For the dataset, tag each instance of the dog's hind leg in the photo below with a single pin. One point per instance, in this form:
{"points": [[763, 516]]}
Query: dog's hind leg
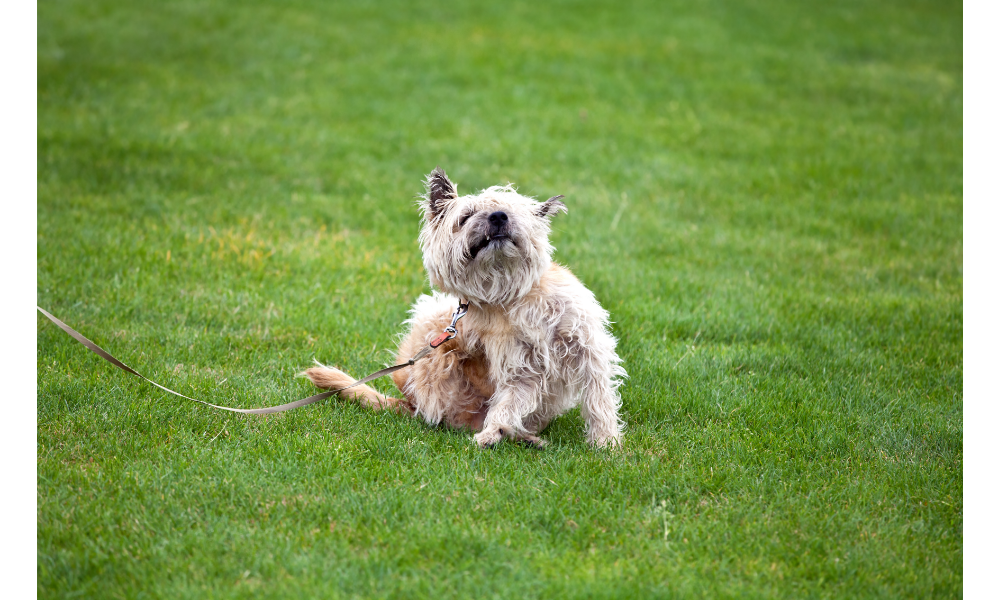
{"points": [[444, 387], [448, 386], [328, 378]]}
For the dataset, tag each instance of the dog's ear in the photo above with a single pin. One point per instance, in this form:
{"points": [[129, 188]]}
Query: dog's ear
{"points": [[440, 190], [551, 207]]}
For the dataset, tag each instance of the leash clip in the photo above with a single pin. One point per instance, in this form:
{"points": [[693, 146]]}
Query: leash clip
{"points": [[459, 313], [450, 331]]}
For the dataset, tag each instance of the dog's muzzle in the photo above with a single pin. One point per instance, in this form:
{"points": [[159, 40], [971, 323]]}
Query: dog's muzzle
{"points": [[497, 233]]}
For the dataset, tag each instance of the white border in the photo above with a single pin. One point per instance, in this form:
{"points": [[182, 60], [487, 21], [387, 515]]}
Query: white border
{"points": [[980, 273], [18, 157]]}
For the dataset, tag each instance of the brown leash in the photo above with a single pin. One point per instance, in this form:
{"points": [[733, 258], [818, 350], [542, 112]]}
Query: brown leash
{"points": [[449, 333]]}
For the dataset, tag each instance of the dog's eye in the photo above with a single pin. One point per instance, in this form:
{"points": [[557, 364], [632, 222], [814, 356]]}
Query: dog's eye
{"points": [[464, 218]]}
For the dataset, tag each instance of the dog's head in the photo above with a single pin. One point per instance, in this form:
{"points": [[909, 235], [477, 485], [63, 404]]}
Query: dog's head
{"points": [[491, 247]]}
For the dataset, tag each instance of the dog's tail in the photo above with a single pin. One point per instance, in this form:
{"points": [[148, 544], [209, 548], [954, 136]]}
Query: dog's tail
{"points": [[328, 378]]}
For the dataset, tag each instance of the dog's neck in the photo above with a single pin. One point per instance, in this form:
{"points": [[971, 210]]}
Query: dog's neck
{"points": [[541, 289]]}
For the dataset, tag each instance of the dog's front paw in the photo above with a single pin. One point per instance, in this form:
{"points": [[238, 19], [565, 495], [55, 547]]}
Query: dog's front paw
{"points": [[610, 441], [489, 437]]}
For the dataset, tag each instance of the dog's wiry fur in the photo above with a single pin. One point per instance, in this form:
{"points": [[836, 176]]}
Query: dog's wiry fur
{"points": [[534, 343]]}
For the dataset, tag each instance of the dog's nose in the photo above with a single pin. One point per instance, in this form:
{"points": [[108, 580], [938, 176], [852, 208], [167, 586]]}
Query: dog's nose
{"points": [[498, 219]]}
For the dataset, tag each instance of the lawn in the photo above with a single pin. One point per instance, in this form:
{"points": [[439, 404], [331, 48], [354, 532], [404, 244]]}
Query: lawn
{"points": [[766, 195]]}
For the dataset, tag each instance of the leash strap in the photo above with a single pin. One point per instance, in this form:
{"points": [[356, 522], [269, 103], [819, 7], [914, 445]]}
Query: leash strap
{"points": [[450, 331]]}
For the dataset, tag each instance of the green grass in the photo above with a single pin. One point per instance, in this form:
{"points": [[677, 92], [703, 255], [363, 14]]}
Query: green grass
{"points": [[766, 195]]}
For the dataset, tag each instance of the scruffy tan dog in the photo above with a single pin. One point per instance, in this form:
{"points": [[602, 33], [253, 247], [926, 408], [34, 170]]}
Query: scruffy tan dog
{"points": [[534, 343]]}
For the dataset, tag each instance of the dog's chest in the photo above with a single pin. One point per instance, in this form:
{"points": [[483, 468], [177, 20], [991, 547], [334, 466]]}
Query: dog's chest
{"points": [[510, 342]]}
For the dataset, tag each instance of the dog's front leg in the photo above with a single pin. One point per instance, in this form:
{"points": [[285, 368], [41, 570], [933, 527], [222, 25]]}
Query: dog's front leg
{"points": [[508, 407], [599, 410]]}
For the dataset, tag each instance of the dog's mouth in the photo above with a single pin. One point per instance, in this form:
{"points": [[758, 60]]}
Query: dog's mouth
{"points": [[490, 240]]}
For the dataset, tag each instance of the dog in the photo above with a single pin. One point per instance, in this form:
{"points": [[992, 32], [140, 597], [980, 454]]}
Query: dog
{"points": [[534, 343]]}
